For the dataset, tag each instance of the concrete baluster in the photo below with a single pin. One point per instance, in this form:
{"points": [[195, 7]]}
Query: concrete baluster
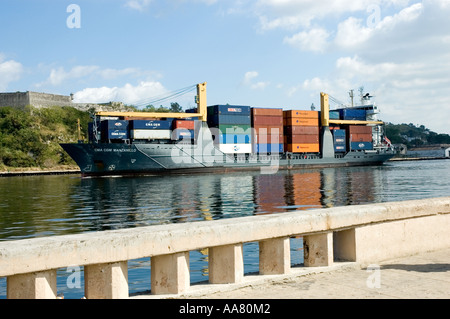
{"points": [[226, 264], [318, 250], [274, 256], [106, 281], [36, 285], [170, 273]]}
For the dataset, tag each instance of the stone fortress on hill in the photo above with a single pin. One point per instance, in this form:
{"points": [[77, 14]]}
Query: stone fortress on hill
{"points": [[41, 100]]}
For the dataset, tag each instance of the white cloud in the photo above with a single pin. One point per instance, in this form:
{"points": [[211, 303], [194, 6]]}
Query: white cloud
{"points": [[248, 81], [405, 92], [313, 40], [10, 71], [293, 14], [139, 5], [59, 75], [129, 94]]}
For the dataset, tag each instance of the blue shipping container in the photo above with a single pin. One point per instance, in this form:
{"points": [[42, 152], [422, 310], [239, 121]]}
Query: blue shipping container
{"points": [[334, 115], [361, 145], [114, 125], [117, 134], [340, 148], [352, 114], [229, 109], [151, 124], [218, 119], [179, 134], [268, 148], [339, 133], [234, 139]]}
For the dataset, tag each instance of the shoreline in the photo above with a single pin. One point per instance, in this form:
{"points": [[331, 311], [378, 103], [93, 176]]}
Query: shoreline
{"points": [[74, 171], [40, 172]]}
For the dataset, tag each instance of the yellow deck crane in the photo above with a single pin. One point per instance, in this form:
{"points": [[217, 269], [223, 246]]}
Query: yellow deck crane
{"points": [[201, 109]]}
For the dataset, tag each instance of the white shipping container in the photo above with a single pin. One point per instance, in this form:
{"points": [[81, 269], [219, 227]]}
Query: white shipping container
{"points": [[151, 134], [235, 148]]}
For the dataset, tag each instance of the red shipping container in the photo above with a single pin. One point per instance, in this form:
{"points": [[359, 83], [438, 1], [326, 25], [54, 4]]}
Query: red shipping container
{"points": [[301, 139], [361, 137], [268, 129], [256, 111], [188, 125], [268, 139], [359, 129], [267, 120], [302, 130]]}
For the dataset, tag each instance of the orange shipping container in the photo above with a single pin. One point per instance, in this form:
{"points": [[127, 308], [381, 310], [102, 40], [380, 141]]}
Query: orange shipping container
{"points": [[301, 114], [303, 148], [301, 121]]}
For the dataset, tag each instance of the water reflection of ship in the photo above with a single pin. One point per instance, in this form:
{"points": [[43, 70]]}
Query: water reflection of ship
{"points": [[129, 202]]}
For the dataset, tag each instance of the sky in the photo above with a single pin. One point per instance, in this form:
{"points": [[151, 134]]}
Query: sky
{"points": [[261, 53]]}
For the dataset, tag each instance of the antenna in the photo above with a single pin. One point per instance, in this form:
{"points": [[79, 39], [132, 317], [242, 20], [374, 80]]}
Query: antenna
{"points": [[351, 96]]}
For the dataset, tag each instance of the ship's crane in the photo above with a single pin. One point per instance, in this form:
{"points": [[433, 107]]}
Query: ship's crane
{"points": [[325, 114], [201, 109]]}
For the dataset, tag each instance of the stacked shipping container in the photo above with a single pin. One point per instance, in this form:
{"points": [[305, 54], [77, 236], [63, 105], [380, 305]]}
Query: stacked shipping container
{"points": [[301, 131], [267, 126], [183, 130], [151, 129], [232, 126], [114, 130], [360, 137], [339, 140]]}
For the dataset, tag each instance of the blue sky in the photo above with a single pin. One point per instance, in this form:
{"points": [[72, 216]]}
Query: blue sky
{"points": [[265, 53]]}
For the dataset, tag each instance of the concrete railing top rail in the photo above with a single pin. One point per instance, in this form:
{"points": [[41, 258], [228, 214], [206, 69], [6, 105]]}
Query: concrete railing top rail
{"points": [[40, 254]]}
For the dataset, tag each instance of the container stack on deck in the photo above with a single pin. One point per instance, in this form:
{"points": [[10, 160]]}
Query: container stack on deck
{"points": [[151, 129], [114, 130], [301, 131], [359, 137], [231, 126], [267, 126], [183, 130]]}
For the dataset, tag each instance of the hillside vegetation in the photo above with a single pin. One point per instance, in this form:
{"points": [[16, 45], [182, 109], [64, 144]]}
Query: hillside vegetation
{"points": [[30, 137], [414, 135]]}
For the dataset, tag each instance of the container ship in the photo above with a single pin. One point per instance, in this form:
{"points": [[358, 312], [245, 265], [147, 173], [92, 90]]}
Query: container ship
{"points": [[224, 138]]}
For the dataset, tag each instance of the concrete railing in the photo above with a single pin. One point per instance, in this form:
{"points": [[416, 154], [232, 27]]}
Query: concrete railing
{"points": [[364, 234]]}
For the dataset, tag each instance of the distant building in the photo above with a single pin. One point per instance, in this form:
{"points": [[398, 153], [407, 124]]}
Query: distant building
{"points": [[442, 150]]}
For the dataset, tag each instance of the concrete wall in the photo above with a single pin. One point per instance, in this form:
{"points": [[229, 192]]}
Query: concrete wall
{"points": [[364, 234]]}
